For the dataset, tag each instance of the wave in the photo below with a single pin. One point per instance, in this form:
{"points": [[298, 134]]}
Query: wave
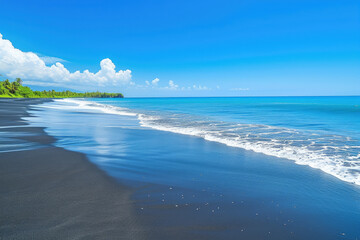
{"points": [[82, 104], [334, 154]]}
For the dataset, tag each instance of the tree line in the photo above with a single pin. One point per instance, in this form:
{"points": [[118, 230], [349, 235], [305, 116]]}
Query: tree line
{"points": [[16, 89]]}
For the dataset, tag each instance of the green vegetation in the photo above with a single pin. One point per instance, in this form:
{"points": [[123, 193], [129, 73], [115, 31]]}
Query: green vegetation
{"points": [[17, 90]]}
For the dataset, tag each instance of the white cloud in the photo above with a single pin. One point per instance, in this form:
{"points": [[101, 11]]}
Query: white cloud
{"points": [[200, 87], [155, 81], [172, 85], [29, 66], [239, 89]]}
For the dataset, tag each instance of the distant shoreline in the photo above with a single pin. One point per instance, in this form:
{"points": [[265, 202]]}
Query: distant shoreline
{"points": [[15, 89]]}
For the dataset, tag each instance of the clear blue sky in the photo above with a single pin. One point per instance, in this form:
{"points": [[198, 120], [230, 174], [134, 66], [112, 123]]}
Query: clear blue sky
{"points": [[234, 48]]}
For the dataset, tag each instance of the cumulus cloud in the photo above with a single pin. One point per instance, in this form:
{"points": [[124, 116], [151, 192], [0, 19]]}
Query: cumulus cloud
{"points": [[32, 68], [155, 81], [172, 85]]}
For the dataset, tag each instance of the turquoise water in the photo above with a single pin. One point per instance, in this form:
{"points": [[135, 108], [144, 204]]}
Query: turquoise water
{"points": [[321, 132]]}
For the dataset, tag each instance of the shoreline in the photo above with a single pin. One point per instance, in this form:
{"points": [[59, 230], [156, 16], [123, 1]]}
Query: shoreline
{"points": [[48, 192], [116, 180], [190, 188]]}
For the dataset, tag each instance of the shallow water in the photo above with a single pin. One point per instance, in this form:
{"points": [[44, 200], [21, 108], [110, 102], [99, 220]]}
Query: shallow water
{"points": [[321, 132]]}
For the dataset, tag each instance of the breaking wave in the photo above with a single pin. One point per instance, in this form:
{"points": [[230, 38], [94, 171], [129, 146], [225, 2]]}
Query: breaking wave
{"points": [[334, 154]]}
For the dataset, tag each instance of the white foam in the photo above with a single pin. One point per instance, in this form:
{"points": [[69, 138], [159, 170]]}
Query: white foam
{"points": [[340, 166], [82, 104], [330, 153]]}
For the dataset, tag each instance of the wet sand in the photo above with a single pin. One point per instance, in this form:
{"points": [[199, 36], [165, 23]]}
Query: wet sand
{"points": [[47, 192]]}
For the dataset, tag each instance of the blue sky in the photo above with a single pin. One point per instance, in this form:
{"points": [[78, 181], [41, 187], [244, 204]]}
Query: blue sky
{"points": [[224, 48]]}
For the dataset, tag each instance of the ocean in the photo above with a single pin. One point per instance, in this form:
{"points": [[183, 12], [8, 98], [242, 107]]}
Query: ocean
{"points": [[265, 164], [322, 132]]}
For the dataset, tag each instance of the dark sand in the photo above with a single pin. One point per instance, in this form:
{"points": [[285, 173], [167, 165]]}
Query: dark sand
{"points": [[47, 192]]}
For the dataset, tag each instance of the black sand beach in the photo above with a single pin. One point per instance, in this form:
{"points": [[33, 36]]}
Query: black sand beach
{"points": [[52, 193], [162, 185]]}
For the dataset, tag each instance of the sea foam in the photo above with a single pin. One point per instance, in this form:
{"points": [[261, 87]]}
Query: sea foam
{"points": [[334, 154]]}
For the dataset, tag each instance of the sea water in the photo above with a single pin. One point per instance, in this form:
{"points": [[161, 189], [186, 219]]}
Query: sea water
{"points": [[321, 132], [231, 162]]}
